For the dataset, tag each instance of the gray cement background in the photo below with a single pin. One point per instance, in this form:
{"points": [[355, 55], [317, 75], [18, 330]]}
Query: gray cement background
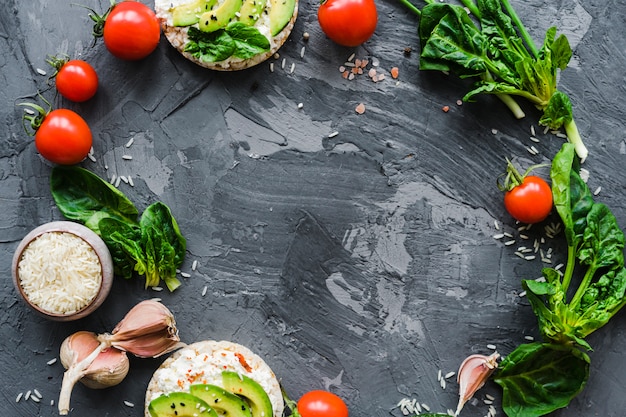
{"points": [[363, 263]]}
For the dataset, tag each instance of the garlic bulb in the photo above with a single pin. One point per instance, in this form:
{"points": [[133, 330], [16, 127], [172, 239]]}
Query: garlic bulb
{"points": [[87, 361]]}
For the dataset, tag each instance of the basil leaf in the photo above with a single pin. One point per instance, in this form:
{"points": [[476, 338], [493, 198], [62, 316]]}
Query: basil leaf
{"points": [[538, 378], [248, 40], [237, 40], [209, 46]]}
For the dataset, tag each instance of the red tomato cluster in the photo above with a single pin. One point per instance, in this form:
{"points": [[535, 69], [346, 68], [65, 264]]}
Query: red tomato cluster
{"points": [[131, 31]]}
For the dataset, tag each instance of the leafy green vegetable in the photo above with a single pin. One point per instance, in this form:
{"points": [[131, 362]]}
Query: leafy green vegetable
{"points": [[152, 246], [557, 374], [500, 55], [87, 199], [237, 40], [596, 244], [538, 378]]}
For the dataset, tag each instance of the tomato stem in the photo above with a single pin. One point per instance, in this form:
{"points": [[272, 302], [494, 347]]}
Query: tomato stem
{"points": [[512, 177], [99, 20], [32, 120]]}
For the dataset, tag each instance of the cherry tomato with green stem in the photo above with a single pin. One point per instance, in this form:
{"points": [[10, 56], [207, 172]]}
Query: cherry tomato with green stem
{"points": [[348, 22], [319, 403], [75, 79], [130, 29], [62, 136], [527, 198]]}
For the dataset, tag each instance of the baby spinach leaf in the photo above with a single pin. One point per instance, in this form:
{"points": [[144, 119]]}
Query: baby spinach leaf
{"points": [[152, 246], [538, 378], [123, 241], [450, 41], [248, 40], [82, 196], [165, 244]]}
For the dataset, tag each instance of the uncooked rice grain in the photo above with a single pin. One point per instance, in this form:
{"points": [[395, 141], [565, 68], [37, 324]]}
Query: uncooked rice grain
{"points": [[60, 273]]}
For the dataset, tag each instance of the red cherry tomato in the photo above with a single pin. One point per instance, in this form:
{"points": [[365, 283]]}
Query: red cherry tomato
{"points": [[530, 201], [348, 22], [63, 137], [76, 80], [131, 30], [322, 404]]}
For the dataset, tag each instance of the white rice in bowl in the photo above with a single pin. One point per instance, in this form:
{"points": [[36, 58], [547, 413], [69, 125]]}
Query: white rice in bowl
{"points": [[59, 273]]}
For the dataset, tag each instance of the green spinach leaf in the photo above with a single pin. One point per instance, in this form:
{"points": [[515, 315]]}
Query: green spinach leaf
{"points": [[151, 245], [538, 378], [82, 196]]}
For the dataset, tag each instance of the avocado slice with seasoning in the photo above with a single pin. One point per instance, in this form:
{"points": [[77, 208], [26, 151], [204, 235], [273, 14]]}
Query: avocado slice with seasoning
{"points": [[219, 17], [222, 401], [189, 14], [260, 404], [180, 404], [251, 11], [281, 12]]}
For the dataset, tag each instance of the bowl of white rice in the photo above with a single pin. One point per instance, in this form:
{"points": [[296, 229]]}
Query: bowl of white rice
{"points": [[62, 270]]}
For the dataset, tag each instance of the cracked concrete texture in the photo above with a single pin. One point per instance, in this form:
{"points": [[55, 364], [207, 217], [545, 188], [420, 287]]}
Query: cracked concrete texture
{"points": [[361, 262]]}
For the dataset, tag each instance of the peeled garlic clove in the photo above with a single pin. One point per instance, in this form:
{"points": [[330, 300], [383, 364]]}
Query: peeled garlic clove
{"points": [[473, 373], [148, 330]]}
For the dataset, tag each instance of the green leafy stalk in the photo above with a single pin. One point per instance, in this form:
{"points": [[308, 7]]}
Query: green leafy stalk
{"points": [[496, 50], [152, 245]]}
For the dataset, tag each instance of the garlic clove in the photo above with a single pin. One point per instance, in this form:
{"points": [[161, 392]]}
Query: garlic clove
{"points": [[473, 373], [148, 330], [93, 363], [109, 369]]}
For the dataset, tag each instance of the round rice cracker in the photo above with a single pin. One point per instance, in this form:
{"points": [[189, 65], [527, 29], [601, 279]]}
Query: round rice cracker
{"points": [[177, 37], [207, 360]]}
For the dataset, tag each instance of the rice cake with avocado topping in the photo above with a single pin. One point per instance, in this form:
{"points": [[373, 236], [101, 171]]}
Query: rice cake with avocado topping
{"points": [[205, 362], [227, 35]]}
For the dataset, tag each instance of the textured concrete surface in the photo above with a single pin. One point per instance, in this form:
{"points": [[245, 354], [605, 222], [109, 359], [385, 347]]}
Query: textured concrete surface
{"points": [[362, 263]]}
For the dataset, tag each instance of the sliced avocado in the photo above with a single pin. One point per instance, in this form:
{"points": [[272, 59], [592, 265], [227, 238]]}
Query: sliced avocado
{"points": [[222, 401], [281, 12], [180, 404], [220, 16], [260, 404], [189, 14], [251, 11]]}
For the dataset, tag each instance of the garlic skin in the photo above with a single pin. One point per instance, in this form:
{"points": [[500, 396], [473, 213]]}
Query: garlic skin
{"points": [[473, 373], [147, 331]]}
